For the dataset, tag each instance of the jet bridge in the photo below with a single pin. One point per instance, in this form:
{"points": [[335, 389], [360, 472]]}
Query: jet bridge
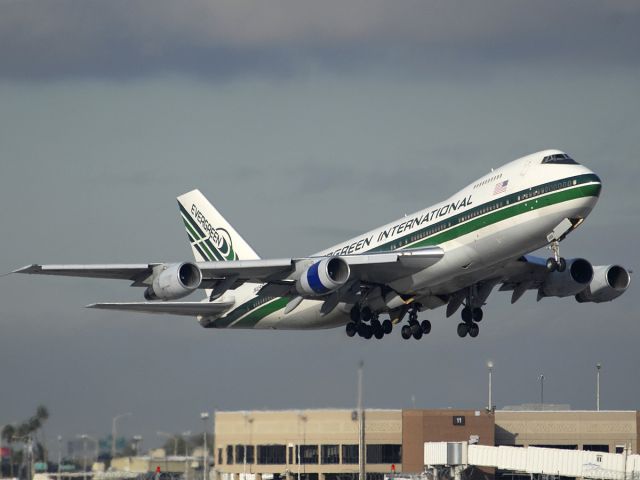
{"points": [[532, 460]]}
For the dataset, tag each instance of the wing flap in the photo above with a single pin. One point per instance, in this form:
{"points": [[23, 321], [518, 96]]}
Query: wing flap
{"points": [[190, 309]]}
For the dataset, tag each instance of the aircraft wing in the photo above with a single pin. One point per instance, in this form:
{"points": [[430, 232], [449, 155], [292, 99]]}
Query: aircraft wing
{"points": [[190, 309], [370, 267]]}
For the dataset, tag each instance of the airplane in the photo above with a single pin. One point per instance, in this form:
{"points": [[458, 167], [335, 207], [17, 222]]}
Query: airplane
{"points": [[452, 254]]}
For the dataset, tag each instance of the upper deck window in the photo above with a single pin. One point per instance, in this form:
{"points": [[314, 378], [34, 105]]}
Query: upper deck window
{"points": [[559, 158]]}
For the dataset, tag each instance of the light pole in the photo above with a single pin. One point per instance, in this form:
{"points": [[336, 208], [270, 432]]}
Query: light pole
{"points": [[541, 378], [247, 420], [598, 367], [303, 418], [114, 431], [205, 460], [186, 435], [59, 454], [137, 440], [84, 438], [490, 367], [361, 427]]}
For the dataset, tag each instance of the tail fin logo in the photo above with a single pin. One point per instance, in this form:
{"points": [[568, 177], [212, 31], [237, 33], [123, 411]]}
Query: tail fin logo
{"points": [[214, 244]]}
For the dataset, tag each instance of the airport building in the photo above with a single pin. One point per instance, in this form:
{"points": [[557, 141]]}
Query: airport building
{"points": [[323, 444]]}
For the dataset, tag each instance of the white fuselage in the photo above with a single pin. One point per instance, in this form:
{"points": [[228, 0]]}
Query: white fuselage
{"points": [[505, 214]]}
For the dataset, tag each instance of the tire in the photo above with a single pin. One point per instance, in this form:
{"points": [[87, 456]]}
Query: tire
{"points": [[387, 327], [405, 331], [425, 326], [366, 314], [552, 265], [474, 330], [368, 332], [354, 314], [463, 329], [477, 314], [378, 333], [418, 335], [362, 329], [562, 265], [467, 315], [352, 329], [375, 324], [415, 327]]}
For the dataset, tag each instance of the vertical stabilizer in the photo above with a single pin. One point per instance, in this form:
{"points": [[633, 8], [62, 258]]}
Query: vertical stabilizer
{"points": [[212, 238]]}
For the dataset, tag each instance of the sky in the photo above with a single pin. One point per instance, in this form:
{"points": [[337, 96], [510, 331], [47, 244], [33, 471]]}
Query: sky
{"points": [[305, 123]]}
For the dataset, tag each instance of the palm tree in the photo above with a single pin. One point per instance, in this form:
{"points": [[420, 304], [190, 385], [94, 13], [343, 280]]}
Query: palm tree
{"points": [[8, 432], [42, 414]]}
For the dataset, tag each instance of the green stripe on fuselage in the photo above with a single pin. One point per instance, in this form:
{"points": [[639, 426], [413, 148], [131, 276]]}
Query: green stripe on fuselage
{"points": [[259, 307]]}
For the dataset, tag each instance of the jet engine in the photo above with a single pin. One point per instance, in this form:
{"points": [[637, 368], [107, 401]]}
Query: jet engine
{"points": [[609, 282], [572, 280], [323, 277], [174, 281]]}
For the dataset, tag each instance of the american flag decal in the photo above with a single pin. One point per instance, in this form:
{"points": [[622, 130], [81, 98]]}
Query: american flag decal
{"points": [[500, 187]]}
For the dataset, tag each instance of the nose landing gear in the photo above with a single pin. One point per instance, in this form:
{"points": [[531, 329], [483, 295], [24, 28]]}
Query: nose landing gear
{"points": [[556, 262]]}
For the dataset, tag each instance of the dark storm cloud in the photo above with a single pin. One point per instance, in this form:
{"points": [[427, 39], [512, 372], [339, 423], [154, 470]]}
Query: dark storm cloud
{"points": [[224, 39]]}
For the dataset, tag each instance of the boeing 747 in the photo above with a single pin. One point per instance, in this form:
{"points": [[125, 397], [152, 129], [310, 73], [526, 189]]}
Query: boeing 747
{"points": [[452, 254]]}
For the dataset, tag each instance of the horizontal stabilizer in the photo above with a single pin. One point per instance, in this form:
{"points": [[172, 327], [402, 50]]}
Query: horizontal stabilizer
{"points": [[173, 308]]}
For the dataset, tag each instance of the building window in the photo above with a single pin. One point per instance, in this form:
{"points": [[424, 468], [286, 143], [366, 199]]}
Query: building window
{"points": [[272, 454], [308, 454], [240, 453], [375, 476], [596, 448], [330, 454], [219, 456], [229, 454], [250, 449], [292, 460], [384, 453], [350, 454]]}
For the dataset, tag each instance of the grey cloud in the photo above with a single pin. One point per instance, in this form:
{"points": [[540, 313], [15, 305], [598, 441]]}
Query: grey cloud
{"points": [[223, 39]]}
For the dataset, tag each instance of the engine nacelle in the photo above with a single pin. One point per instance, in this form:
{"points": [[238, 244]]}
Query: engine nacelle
{"points": [[174, 281], [323, 277], [574, 279], [609, 282]]}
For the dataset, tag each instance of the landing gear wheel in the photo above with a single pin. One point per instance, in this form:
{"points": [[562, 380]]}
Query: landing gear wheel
{"points": [[417, 335], [387, 327], [474, 330], [354, 314], [552, 265], [415, 327], [477, 314], [425, 325], [562, 264], [366, 314], [467, 314], [405, 331], [463, 329], [364, 330], [377, 329], [352, 329]]}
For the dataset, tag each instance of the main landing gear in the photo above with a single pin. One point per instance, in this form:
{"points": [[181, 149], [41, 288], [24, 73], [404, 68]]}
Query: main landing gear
{"points": [[556, 262], [358, 324], [415, 329], [471, 316]]}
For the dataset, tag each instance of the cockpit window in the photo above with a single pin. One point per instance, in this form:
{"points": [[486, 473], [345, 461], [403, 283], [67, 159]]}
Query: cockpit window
{"points": [[559, 158]]}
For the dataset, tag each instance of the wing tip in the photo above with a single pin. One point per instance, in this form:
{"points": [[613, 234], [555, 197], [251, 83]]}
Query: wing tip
{"points": [[33, 268]]}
